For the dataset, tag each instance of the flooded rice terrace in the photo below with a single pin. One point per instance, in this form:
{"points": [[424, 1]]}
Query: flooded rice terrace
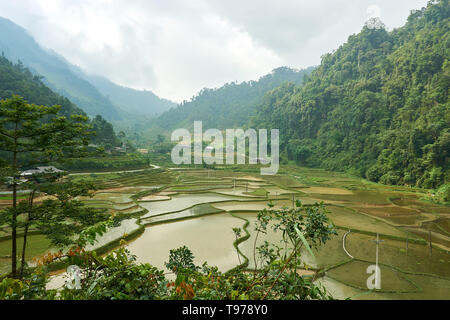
{"points": [[199, 209]]}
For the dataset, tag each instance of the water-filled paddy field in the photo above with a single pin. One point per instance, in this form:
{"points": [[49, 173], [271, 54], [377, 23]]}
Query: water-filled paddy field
{"points": [[199, 208]]}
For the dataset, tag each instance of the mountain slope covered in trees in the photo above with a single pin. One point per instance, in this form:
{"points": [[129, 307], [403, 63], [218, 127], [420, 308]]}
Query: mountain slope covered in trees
{"points": [[16, 79], [95, 95], [17, 44], [134, 104], [377, 107], [229, 106]]}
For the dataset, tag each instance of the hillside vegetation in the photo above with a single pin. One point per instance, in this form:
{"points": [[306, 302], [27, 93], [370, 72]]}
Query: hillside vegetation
{"points": [[376, 107], [229, 106], [16, 79]]}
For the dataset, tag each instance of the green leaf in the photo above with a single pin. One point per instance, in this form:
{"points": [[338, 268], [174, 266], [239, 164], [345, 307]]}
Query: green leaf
{"points": [[300, 235]]}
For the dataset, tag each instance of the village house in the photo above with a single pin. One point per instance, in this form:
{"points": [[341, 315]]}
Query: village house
{"points": [[28, 174]]}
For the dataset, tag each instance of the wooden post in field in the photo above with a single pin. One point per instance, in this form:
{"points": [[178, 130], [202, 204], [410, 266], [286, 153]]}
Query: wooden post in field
{"points": [[293, 200], [406, 244], [377, 241], [429, 239]]}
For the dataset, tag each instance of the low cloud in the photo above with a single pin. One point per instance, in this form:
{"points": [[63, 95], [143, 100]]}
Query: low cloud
{"points": [[175, 48]]}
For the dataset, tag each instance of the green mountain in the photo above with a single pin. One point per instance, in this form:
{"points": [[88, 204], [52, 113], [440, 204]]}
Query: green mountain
{"points": [[95, 95], [16, 79], [17, 44], [229, 106], [377, 107], [133, 104]]}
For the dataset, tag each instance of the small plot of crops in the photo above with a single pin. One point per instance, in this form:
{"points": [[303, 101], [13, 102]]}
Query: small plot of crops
{"points": [[275, 191], [98, 204], [249, 178], [432, 288], [239, 191], [155, 197], [436, 238], [195, 211], [359, 197], [181, 202], [440, 225], [389, 211], [233, 206], [395, 215], [194, 188], [411, 220], [37, 245], [355, 274], [260, 192], [144, 178], [327, 255], [326, 191], [285, 181], [132, 190], [348, 218], [109, 196], [132, 210], [125, 207], [126, 227], [421, 205], [411, 257]]}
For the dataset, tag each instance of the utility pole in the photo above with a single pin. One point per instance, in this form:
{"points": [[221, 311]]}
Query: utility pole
{"points": [[377, 241], [406, 244], [429, 239]]}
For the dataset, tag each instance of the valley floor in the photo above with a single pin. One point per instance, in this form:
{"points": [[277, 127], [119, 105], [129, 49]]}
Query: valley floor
{"points": [[165, 209]]}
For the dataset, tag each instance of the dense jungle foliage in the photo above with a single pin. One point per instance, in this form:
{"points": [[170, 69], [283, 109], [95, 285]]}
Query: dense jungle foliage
{"points": [[376, 107], [17, 79]]}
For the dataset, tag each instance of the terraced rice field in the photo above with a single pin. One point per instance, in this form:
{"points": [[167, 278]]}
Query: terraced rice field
{"points": [[199, 208]]}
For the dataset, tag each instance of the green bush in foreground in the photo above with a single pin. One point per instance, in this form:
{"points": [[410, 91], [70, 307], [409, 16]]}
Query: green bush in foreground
{"points": [[118, 276]]}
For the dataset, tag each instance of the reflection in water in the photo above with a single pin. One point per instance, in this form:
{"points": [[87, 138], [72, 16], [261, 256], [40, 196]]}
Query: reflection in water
{"points": [[210, 238], [180, 202]]}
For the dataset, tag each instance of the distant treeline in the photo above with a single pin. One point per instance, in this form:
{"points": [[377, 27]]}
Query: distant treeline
{"points": [[229, 106], [106, 163]]}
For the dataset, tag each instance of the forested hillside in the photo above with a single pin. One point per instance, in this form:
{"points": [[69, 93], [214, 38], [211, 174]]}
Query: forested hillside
{"points": [[377, 106], [133, 104], [229, 106], [17, 44], [16, 79], [95, 95]]}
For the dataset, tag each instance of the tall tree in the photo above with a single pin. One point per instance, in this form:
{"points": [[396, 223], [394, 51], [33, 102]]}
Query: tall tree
{"points": [[32, 134]]}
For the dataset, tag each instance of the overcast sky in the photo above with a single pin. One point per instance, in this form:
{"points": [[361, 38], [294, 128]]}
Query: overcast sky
{"points": [[177, 47]]}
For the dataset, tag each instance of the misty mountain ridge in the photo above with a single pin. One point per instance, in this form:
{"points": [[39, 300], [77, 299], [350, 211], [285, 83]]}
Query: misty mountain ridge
{"points": [[94, 94], [229, 106]]}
